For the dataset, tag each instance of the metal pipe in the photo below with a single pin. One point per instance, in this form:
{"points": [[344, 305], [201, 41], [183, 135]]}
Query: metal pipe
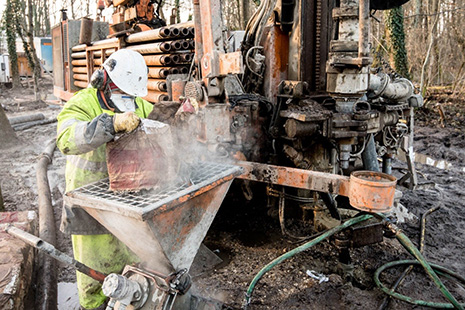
{"points": [[81, 84], [184, 24], [78, 55], [364, 29], [198, 32], [79, 62], [158, 73], [82, 69], [387, 163], [184, 70], [191, 31], [108, 52], [193, 44], [50, 250], [175, 58], [157, 85], [155, 96], [150, 35], [184, 31], [369, 155], [186, 57], [176, 45], [381, 85], [47, 273], [80, 77], [174, 70], [26, 118], [158, 60], [105, 42], [185, 45], [155, 48], [175, 31], [79, 48]]}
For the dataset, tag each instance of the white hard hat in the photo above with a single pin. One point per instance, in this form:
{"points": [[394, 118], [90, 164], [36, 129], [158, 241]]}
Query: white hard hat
{"points": [[127, 69]]}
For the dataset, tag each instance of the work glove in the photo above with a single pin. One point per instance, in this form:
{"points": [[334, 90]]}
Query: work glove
{"points": [[125, 122]]}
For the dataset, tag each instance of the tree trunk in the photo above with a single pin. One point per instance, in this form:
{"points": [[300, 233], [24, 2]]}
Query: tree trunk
{"points": [[8, 137], [36, 62], [396, 39], [11, 42]]}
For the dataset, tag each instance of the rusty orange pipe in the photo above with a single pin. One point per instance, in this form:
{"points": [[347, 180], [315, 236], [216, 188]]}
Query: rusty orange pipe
{"points": [[159, 73], [157, 85], [156, 96], [158, 60]]}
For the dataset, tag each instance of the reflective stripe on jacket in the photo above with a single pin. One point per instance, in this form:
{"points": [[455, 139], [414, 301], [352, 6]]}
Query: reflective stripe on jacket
{"points": [[83, 129]]}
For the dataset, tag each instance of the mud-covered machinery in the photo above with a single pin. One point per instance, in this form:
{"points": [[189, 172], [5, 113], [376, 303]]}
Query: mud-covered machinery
{"points": [[293, 98]]}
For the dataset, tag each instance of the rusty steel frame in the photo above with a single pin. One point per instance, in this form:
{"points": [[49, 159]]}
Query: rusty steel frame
{"points": [[294, 177]]}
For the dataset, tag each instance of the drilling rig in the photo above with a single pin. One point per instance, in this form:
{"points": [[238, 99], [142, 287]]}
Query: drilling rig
{"points": [[293, 98]]}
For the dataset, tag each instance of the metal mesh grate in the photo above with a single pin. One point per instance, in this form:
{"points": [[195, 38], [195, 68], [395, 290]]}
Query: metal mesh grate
{"points": [[202, 174]]}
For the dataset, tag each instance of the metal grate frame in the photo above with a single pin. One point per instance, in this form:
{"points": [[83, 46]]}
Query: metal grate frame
{"points": [[139, 204]]}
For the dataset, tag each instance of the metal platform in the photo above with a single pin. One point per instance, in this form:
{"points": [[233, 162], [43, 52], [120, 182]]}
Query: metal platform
{"points": [[143, 203]]}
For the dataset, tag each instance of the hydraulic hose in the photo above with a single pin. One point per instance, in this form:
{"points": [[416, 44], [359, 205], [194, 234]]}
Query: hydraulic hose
{"points": [[438, 269], [299, 249], [407, 270], [410, 247], [401, 237], [47, 274]]}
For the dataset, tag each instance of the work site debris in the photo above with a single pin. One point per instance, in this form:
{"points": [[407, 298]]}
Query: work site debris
{"points": [[142, 159]]}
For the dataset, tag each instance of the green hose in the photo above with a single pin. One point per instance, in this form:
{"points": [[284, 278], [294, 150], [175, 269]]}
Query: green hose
{"points": [[409, 246], [299, 249], [401, 237], [438, 269]]}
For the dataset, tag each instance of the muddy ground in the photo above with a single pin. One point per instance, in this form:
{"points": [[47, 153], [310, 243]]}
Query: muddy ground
{"points": [[247, 238]]}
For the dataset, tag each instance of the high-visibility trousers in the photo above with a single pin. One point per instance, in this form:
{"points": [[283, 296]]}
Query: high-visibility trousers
{"points": [[104, 253]]}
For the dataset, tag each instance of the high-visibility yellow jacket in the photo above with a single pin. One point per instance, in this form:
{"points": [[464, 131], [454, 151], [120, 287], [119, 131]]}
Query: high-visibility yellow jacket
{"points": [[85, 125]]}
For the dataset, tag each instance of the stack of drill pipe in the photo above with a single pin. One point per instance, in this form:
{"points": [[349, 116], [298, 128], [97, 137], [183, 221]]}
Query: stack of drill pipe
{"points": [[167, 50], [79, 63]]}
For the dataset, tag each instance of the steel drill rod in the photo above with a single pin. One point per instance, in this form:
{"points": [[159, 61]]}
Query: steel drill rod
{"points": [[49, 249], [175, 31], [156, 96], [184, 31], [79, 62], [158, 60], [105, 42], [176, 45], [108, 52], [185, 24], [158, 73], [79, 48], [157, 85], [185, 45], [149, 48], [81, 84], [150, 35], [78, 55], [174, 70], [80, 77], [82, 69]]}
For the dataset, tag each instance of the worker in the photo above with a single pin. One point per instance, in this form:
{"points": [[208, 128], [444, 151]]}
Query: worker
{"points": [[91, 118]]}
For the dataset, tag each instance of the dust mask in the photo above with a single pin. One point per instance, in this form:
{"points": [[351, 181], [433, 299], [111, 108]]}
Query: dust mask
{"points": [[123, 102]]}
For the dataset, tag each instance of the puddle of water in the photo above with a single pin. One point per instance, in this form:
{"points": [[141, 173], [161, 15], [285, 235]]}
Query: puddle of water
{"points": [[68, 296]]}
